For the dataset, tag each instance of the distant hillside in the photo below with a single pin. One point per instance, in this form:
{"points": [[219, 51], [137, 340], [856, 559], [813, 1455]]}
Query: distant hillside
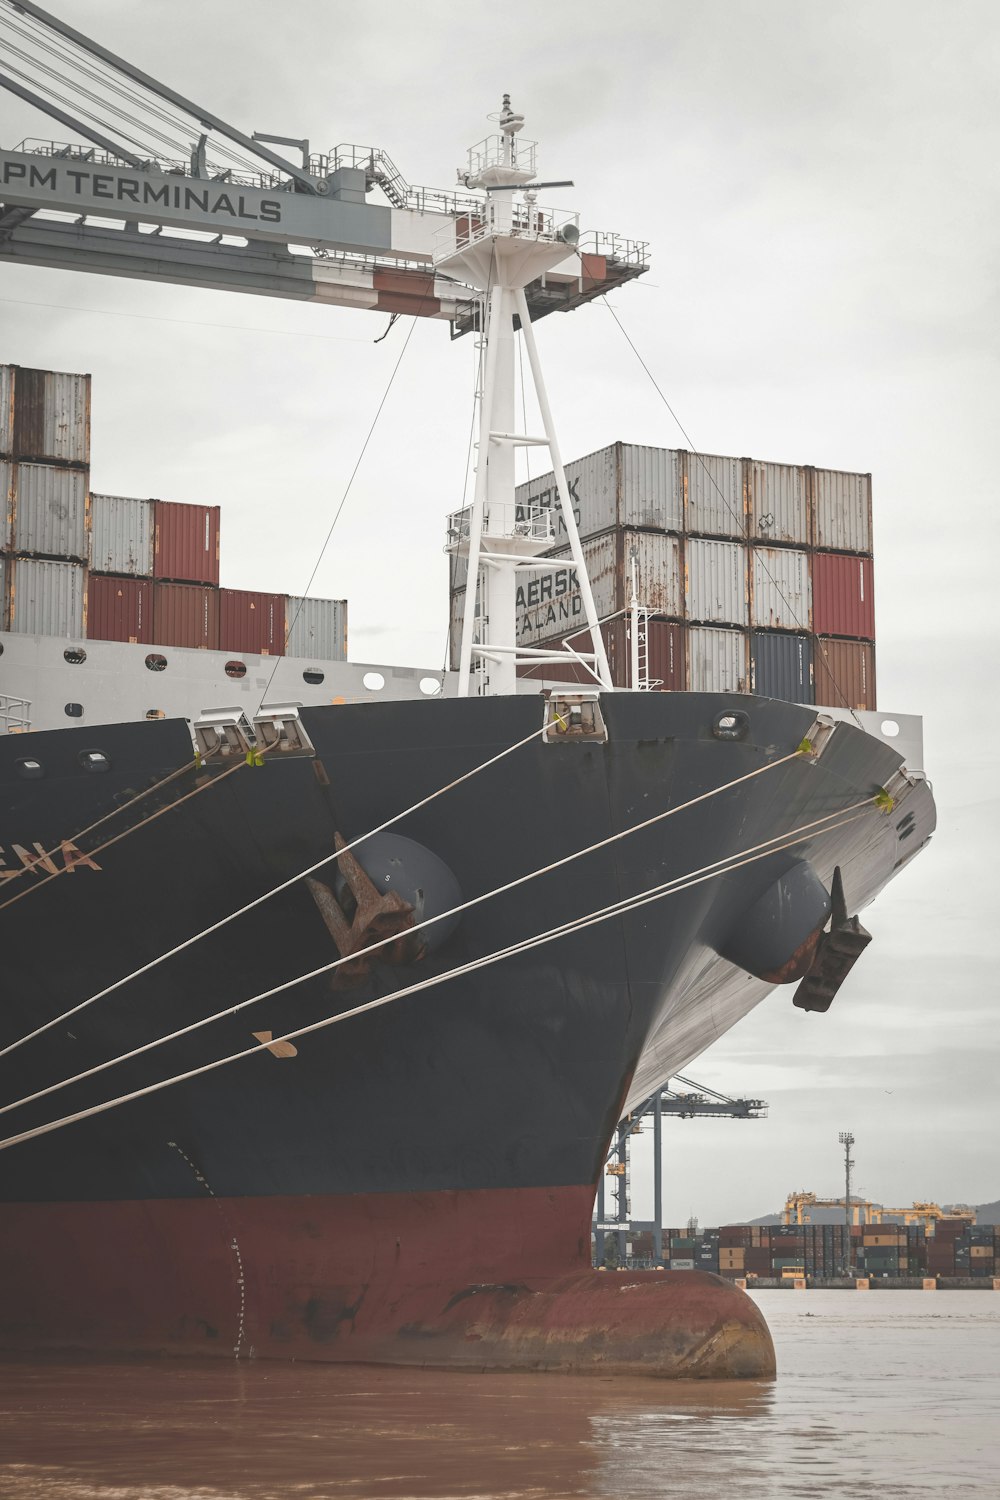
{"points": [[986, 1213]]}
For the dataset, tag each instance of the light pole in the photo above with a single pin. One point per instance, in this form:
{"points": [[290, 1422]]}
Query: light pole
{"points": [[847, 1141]]}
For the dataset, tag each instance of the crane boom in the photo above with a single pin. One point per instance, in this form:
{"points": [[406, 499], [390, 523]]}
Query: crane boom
{"points": [[265, 225]]}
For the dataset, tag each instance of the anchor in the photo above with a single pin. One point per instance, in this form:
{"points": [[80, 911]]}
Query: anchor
{"points": [[377, 915], [837, 953]]}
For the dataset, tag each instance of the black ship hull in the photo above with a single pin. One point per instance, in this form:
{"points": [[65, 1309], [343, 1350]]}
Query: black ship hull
{"points": [[394, 1186]]}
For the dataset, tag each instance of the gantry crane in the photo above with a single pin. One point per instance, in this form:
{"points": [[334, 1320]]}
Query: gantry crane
{"points": [[692, 1101], [797, 1207], [166, 190]]}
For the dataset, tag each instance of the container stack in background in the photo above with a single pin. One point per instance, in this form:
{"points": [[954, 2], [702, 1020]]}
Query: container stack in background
{"points": [[155, 580], [821, 1252], [757, 577], [113, 568], [45, 491]]}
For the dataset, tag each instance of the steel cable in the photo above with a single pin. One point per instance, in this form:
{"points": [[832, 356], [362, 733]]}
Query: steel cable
{"points": [[259, 900], [712, 481], [620, 908], [384, 942]]}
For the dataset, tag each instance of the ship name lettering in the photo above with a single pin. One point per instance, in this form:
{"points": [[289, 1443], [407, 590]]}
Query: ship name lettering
{"points": [[37, 859]]}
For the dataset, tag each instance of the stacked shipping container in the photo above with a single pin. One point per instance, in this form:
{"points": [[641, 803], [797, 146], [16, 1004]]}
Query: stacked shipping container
{"points": [[762, 572], [45, 495], [113, 568], [822, 1252], [155, 580]]}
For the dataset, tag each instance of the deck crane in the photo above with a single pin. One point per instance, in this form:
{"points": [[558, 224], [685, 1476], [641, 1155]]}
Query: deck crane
{"points": [[166, 190], [225, 210], [691, 1101]]}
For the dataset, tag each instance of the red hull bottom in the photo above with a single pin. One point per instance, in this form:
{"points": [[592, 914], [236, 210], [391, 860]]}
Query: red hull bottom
{"points": [[498, 1279]]}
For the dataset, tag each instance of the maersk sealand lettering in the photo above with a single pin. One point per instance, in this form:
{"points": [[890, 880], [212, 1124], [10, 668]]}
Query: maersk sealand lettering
{"points": [[108, 185], [549, 500]]}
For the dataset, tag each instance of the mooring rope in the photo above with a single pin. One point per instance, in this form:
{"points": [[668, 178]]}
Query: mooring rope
{"points": [[618, 908], [756, 851]]}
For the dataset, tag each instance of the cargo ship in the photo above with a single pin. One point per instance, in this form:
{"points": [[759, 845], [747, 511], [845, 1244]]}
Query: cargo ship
{"points": [[328, 983]]}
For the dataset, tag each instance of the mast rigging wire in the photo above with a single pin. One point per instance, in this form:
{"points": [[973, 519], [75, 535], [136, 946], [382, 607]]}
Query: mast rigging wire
{"points": [[619, 908], [712, 481]]}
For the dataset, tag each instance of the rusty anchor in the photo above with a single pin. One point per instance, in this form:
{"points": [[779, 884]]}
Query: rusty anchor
{"points": [[377, 915]]}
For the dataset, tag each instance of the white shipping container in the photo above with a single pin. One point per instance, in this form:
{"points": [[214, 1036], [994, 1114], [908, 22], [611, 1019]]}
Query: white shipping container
{"points": [[650, 488], [47, 598], [625, 484], [782, 589], [51, 511], [713, 495], [316, 628], [6, 408], [549, 603], [121, 535], [716, 581], [717, 660], [777, 502], [843, 510]]}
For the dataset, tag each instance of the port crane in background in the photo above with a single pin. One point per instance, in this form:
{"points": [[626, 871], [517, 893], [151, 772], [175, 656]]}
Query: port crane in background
{"points": [[692, 1101], [165, 190], [797, 1206]]}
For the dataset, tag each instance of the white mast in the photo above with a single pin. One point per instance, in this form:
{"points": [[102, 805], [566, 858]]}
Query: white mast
{"points": [[510, 246]]}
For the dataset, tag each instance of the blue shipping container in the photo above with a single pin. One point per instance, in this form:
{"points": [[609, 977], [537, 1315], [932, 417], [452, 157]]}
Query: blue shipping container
{"points": [[781, 666]]}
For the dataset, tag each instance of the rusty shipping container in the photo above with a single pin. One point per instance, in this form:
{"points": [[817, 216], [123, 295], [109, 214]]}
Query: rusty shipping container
{"points": [[663, 656], [781, 666], [844, 673], [625, 484], [842, 510], [316, 628], [121, 535], [714, 497], [664, 652], [843, 595], [715, 582], [778, 503], [120, 609], [47, 510], [44, 415], [549, 603], [781, 591], [252, 622], [717, 660], [46, 597], [185, 542], [186, 614], [571, 671]]}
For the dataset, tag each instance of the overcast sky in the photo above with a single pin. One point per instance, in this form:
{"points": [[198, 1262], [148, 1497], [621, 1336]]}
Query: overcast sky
{"points": [[817, 182]]}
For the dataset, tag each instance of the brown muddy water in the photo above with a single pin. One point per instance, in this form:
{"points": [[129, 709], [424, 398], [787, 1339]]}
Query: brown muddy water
{"points": [[878, 1394]]}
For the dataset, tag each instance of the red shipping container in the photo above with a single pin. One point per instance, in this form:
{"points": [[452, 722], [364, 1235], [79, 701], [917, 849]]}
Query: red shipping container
{"points": [[186, 614], [252, 622], [186, 542], [120, 609], [845, 673], [573, 672], [843, 595], [666, 665]]}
